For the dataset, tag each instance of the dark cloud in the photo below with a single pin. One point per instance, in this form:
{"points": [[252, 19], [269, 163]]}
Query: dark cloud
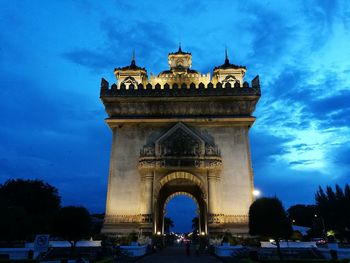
{"points": [[322, 102], [303, 162], [151, 41], [90, 59], [290, 186], [342, 156], [329, 104], [49, 136], [320, 17], [265, 147], [272, 34], [331, 111]]}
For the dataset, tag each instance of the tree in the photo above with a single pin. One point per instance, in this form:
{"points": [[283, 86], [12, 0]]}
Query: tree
{"points": [[302, 215], [267, 218], [168, 223], [27, 208], [334, 208], [72, 223], [195, 224]]}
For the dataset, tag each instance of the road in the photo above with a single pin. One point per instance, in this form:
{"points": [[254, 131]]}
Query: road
{"points": [[177, 254]]}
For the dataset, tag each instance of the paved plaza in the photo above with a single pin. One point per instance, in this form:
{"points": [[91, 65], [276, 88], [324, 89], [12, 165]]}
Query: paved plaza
{"points": [[178, 254]]}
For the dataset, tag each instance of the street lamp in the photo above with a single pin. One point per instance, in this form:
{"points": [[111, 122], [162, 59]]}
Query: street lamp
{"points": [[256, 193]]}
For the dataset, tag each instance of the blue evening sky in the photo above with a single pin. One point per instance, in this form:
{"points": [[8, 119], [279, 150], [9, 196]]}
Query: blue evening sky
{"points": [[54, 53]]}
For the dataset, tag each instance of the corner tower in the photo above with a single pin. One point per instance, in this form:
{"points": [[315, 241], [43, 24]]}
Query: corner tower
{"points": [[180, 133], [229, 73], [131, 74]]}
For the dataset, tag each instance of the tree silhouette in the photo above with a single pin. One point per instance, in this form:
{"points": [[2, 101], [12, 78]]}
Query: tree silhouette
{"points": [[302, 215], [195, 224], [27, 208], [334, 208], [267, 218], [72, 224], [168, 223]]}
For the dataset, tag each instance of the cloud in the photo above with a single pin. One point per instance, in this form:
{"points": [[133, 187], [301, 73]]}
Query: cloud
{"points": [[90, 59], [263, 154], [150, 40]]}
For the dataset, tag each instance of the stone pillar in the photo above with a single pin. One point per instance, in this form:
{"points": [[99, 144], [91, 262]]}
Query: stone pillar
{"points": [[110, 209], [146, 193], [212, 193]]}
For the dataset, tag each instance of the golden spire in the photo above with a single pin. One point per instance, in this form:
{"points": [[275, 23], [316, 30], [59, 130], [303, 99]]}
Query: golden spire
{"points": [[226, 56], [133, 62]]}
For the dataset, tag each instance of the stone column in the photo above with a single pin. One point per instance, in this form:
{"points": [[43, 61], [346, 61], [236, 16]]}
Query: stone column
{"points": [[212, 193], [146, 193], [110, 208]]}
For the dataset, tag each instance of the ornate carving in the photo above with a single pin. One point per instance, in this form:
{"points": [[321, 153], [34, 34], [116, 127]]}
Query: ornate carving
{"points": [[171, 108], [228, 219], [212, 150], [147, 151], [180, 143], [130, 81], [181, 147], [146, 218], [154, 163], [113, 219]]}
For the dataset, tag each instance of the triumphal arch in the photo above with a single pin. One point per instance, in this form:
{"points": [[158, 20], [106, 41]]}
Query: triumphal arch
{"points": [[179, 132]]}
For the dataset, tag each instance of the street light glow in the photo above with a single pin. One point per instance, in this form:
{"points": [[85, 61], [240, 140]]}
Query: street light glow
{"points": [[256, 193]]}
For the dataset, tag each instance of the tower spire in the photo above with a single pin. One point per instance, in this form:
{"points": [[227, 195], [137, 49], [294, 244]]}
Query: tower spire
{"points": [[133, 62], [180, 50], [226, 57]]}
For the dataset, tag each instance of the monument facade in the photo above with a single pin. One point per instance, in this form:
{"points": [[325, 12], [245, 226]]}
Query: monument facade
{"points": [[181, 132]]}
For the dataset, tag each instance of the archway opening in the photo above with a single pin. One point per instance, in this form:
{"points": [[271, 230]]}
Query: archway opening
{"points": [[180, 185], [182, 210]]}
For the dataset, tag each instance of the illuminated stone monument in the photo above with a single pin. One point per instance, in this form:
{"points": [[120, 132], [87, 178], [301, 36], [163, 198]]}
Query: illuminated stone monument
{"points": [[179, 133]]}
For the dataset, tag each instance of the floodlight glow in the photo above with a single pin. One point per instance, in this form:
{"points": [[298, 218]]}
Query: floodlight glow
{"points": [[256, 193]]}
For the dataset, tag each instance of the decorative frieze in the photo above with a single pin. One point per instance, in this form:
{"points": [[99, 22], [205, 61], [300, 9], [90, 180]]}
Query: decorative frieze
{"points": [[114, 219], [222, 107], [227, 219], [154, 163], [180, 147]]}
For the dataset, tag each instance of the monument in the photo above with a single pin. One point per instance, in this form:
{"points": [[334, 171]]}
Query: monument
{"points": [[180, 132]]}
